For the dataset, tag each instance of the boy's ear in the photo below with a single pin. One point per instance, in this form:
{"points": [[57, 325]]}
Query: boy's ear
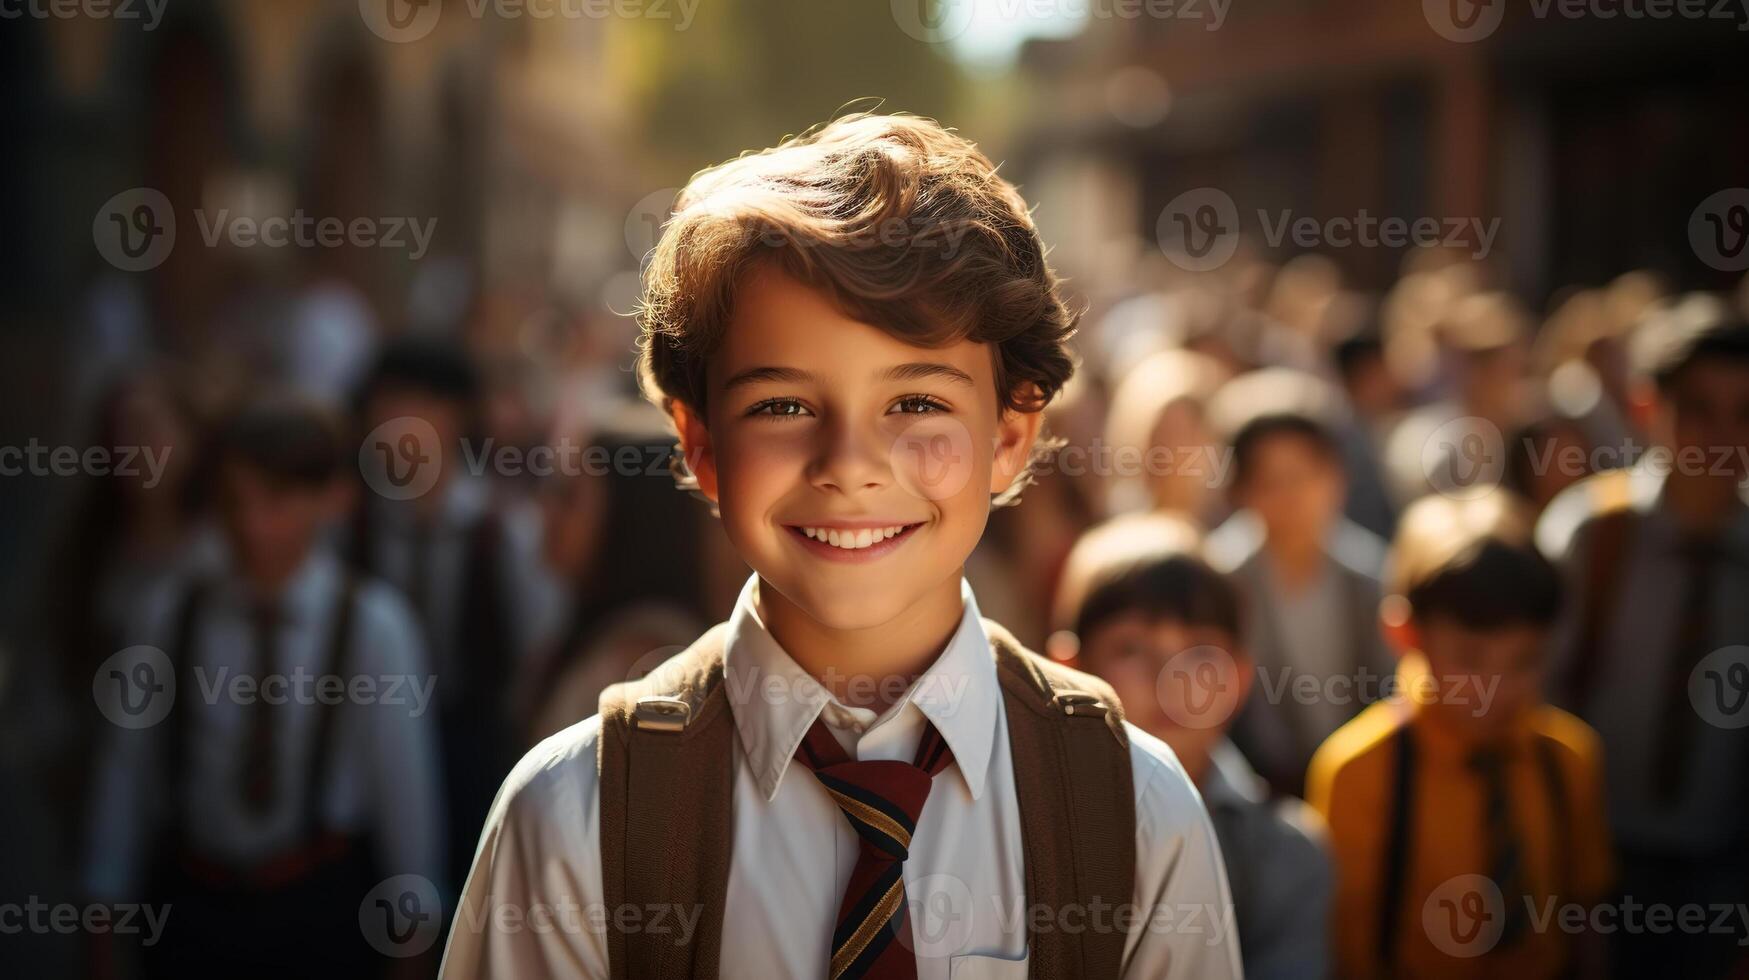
{"points": [[1398, 625], [1016, 432], [695, 447]]}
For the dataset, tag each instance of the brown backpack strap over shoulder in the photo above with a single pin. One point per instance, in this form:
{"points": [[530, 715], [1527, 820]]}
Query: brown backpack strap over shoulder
{"points": [[666, 770], [667, 777], [1077, 808]]}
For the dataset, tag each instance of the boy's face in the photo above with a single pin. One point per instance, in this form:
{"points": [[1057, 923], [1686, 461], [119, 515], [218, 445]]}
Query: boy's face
{"points": [[270, 525], [1486, 678], [818, 423], [1292, 485], [1707, 408], [1180, 683], [447, 418]]}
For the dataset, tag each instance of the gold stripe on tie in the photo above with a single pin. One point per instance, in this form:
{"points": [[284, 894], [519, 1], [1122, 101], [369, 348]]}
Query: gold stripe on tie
{"points": [[875, 818], [865, 933]]}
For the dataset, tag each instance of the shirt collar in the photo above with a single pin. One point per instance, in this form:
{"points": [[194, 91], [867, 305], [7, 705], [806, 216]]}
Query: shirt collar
{"points": [[775, 701]]}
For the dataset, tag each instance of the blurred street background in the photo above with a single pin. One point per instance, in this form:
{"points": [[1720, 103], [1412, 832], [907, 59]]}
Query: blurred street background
{"points": [[432, 213]]}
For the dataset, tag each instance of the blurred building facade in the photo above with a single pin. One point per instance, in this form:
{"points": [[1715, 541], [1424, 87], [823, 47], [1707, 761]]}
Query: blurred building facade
{"points": [[1592, 138]]}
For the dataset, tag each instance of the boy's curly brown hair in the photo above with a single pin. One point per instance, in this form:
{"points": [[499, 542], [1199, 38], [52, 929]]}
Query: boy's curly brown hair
{"points": [[904, 223]]}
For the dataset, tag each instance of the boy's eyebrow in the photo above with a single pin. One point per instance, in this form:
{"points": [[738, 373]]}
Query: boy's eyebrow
{"points": [[922, 370], [914, 371]]}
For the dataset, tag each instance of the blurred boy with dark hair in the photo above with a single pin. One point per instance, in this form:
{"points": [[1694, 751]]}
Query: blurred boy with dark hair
{"points": [[263, 812], [1142, 610], [466, 561], [1489, 801], [1659, 559], [1309, 575]]}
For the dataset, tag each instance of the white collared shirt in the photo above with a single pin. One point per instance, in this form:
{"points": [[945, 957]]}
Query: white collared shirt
{"points": [[382, 779], [793, 851]]}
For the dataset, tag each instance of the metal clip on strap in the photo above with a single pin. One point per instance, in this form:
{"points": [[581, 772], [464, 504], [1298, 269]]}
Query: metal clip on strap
{"points": [[662, 714], [1080, 703]]}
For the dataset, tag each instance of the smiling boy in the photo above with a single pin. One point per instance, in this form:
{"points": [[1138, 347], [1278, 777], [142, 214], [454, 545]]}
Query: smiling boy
{"points": [[856, 775]]}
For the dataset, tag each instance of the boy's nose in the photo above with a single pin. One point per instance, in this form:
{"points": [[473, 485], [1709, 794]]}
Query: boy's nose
{"points": [[849, 458]]}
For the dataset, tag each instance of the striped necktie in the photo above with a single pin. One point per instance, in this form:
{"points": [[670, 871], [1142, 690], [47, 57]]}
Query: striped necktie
{"points": [[882, 800]]}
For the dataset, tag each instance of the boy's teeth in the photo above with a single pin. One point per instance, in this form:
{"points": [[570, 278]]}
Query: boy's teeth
{"points": [[853, 540]]}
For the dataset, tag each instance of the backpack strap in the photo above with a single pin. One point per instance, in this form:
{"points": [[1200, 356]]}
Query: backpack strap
{"points": [[667, 780], [1077, 801], [666, 771], [183, 655], [1561, 814], [1399, 850]]}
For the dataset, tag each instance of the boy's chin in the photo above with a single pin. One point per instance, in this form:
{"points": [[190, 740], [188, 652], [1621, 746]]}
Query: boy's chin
{"points": [[847, 610]]}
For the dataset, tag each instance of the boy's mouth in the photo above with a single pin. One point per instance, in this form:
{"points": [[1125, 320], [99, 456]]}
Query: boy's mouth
{"points": [[855, 543]]}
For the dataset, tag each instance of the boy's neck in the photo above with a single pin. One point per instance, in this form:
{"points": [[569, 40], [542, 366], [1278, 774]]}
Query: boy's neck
{"points": [[1298, 559], [866, 668], [267, 583]]}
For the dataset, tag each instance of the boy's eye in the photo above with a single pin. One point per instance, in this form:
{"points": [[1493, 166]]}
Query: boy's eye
{"points": [[784, 408], [917, 405]]}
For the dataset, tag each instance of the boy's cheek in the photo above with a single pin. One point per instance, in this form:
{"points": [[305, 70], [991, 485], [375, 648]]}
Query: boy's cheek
{"points": [[935, 459]]}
